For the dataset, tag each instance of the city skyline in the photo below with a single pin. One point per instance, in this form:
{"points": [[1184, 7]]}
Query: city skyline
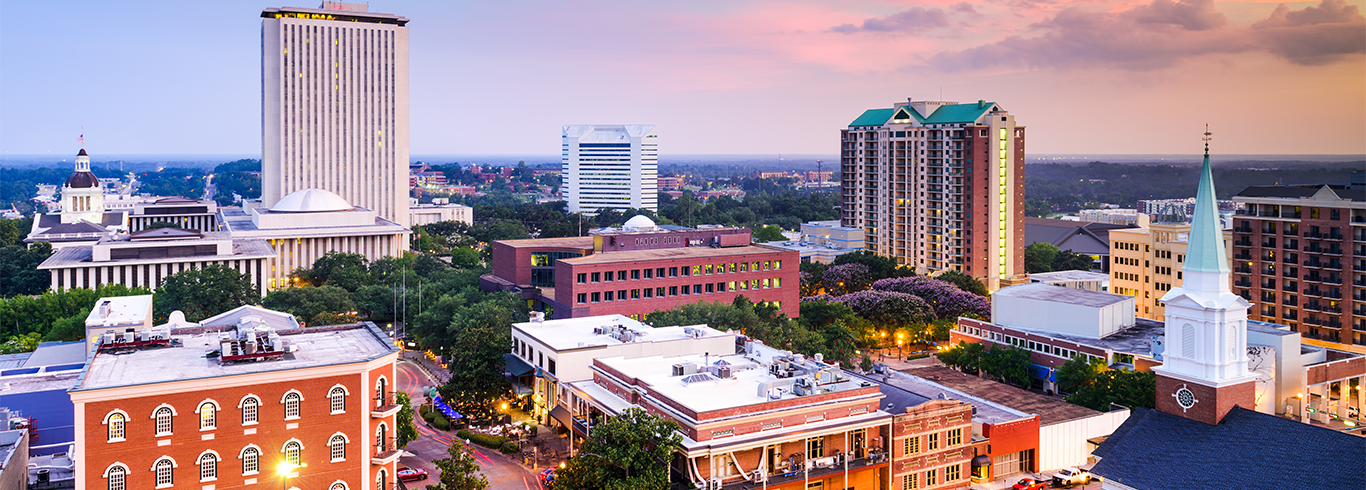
{"points": [[792, 73]]}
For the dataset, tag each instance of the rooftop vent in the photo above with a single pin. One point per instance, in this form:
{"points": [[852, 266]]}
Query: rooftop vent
{"points": [[251, 340]]}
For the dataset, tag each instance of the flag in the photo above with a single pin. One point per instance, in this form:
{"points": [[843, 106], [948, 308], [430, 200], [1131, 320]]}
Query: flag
{"points": [[81, 139]]}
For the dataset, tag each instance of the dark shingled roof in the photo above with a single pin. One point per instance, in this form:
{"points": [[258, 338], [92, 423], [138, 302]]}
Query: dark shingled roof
{"points": [[1154, 450], [1080, 237], [1050, 411]]}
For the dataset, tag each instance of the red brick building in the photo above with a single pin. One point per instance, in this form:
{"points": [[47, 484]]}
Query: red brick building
{"points": [[641, 268], [300, 408]]}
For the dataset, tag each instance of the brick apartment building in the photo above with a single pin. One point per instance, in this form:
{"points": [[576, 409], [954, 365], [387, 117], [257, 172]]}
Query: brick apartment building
{"points": [[1299, 256], [294, 408], [641, 268], [938, 186]]}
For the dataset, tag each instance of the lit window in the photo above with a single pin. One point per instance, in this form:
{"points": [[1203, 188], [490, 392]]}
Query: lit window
{"points": [[382, 480], [292, 402], [338, 396], [163, 417], [208, 416], [337, 486], [293, 451], [116, 427]]}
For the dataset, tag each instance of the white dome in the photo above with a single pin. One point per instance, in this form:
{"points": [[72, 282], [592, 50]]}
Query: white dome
{"points": [[639, 222], [311, 201]]}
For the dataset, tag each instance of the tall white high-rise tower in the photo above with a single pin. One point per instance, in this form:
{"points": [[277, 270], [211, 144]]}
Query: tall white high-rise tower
{"points": [[610, 166], [334, 100], [1204, 372]]}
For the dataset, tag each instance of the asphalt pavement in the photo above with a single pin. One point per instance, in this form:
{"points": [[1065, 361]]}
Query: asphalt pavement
{"points": [[501, 471]]}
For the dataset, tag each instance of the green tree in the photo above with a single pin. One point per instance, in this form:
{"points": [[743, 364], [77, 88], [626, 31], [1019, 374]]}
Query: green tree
{"points": [[1067, 260], [964, 282], [459, 470], [322, 305], [21, 343], [19, 273], [1133, 388], [348, 271], [465, 258], [966, 357], [13, 231], [1039, 257], [1086, 382], [202, 293], [67, 329], [630, 451], [1009, 364], [476, 339], [768, 233], [407, 431]]}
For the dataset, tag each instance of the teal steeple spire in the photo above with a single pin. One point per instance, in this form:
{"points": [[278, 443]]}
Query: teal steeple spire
{"points": [[1205, 246]]}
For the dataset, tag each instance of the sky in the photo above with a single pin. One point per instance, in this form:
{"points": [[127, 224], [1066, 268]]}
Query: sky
{"points": [[716, 76]]}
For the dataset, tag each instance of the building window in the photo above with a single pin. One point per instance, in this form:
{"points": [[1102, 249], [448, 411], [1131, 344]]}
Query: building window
{"points": [[635, 294], [649, 293], [910, 482], [117, 477], [635, 274], [249, 407], [292, 401], [673, 290], [912, 445], [382, 480], [163, 418], [673, 272], [338, 448], [583, 298], [582, 278], [730, 286], [659, 272], [711, 288], [116, 422], [338, 399], [337, 486], [952, 473], [659, 292], [954, 438], [208, 467], [607, 296], [934, 441], [251, 461], [293, 451], [208, 416], [931, 478], [815, 448], [649, 273], [597, 297], [165, 472]]}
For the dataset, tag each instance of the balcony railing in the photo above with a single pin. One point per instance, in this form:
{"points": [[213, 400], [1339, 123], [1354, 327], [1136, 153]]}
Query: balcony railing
{"points": [[814, 470]]}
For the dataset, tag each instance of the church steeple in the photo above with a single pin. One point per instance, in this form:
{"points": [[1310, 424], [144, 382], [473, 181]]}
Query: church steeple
{"points": [[1204, 372]]}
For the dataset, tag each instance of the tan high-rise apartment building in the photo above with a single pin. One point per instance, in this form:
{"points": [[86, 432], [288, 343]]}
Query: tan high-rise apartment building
{"points": [[334, 106], [938, 186], [1146, 263]]}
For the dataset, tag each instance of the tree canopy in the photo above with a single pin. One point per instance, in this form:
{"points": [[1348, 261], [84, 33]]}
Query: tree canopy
{"points": [[630, 451], [202, 293]]}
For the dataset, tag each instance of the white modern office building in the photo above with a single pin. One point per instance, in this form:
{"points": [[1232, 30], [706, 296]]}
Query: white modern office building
{"points": [[334, 100], [610, 166]]}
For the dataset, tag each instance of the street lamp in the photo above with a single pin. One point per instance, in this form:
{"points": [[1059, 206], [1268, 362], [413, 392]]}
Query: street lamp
{"points": [[286, 469]]}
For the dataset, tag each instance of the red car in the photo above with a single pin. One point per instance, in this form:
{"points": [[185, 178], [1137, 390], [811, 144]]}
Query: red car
{"points": [[547, 477], [1030, 484], [412, 474]]}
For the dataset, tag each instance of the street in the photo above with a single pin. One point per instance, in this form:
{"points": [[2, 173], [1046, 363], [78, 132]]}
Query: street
{"points": [[501, 471]]}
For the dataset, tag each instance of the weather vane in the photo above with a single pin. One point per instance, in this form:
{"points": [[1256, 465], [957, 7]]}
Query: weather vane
{"points": [[1207, 138]]}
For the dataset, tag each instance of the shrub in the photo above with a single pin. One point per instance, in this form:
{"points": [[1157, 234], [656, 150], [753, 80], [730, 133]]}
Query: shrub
{"points": [[441, 423], [463, 434], [488, 441], [509, 447], [917, 356]]}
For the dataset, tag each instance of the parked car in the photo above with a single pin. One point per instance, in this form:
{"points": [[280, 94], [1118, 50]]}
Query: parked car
{"points": [[1031, 483], [1071, 476], [412, 474], [547, 478]]}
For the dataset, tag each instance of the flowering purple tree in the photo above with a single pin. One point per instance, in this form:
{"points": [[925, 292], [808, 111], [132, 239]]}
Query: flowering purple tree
{"points": [[947, 300], [847, 278], [889, 309]]}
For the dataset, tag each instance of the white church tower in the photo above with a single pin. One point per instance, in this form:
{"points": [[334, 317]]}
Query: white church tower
{"points": [[82, 196], [1204, 372]]}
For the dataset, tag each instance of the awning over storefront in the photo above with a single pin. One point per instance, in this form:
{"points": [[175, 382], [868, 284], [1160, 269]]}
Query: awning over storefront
{"points": [[561, 414], [516, 366], [1043, 372]]}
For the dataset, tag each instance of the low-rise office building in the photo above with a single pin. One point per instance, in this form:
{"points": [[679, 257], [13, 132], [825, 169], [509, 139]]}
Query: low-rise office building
{"points": [[1146, 263], [562, 351], [182, 212], [641, 268], [144, 258], [823, 241]]}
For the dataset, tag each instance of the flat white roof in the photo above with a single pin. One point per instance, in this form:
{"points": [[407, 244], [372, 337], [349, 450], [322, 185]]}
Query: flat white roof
{"points": [[573, 333], [1059, 294], [748, 372], [122, 310], [1069, 276], [318, 346]]}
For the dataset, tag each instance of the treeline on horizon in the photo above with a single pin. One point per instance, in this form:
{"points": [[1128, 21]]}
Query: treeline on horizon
{"points": [[1063, 188]]}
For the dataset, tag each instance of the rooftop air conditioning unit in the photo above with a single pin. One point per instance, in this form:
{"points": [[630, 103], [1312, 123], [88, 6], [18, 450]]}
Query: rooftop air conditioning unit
{"points": [[723, 372], [678, 370]]}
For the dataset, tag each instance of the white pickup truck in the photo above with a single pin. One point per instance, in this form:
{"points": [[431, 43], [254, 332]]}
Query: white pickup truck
{"points": [[1071, 476]]}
